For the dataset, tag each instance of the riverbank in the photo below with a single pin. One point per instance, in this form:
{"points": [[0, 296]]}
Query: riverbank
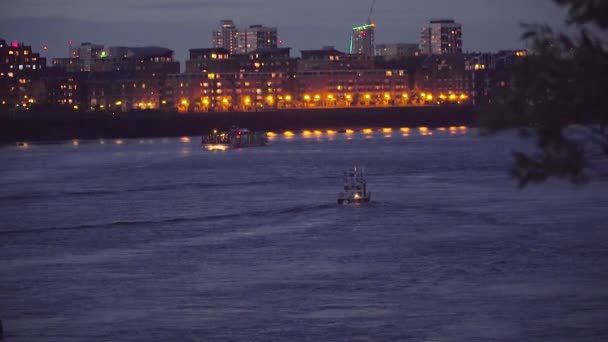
{"points": [[40, 127]]}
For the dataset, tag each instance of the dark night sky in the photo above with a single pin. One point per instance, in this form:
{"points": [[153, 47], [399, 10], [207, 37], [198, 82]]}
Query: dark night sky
{"points": [[488, 25]]}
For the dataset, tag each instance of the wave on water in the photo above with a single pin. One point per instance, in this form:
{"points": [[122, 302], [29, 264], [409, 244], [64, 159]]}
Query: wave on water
{"points": [[176, 220], [54, 194], [151, 188], [447, 211]]}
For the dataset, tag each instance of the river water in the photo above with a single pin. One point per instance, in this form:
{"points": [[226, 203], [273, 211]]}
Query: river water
{"points": [[159, 240]]}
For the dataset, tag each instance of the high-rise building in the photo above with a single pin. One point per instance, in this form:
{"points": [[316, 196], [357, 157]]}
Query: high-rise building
{"points": [[363, 40], [257, 37], [227, 36], [237, 41], [441, 37]]}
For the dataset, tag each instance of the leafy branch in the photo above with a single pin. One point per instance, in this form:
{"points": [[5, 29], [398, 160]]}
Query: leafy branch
{"points": [[558, 97]]}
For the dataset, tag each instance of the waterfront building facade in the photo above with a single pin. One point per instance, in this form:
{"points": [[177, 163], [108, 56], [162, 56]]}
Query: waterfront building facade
{"points": [[490, 75], [443, 79], [222, 92], [21, 71], [126, 79], [211, 60]]}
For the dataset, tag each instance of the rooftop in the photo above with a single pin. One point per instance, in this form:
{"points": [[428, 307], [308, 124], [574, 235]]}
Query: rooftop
{"points": [[443, 21], [326, 51], [272, 50], [204, 51], [146, 51]]}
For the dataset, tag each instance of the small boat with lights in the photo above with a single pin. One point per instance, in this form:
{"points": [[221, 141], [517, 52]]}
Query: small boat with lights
{"points": [[235, 138], [355, 187]]}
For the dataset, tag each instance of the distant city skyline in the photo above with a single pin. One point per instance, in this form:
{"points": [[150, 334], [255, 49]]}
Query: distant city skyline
{"points": [[488, 25]]}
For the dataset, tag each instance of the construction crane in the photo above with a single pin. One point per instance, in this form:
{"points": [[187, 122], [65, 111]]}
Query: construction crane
{"points": [[371, 11]]}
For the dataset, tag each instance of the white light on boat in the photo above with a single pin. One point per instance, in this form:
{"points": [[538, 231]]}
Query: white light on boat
{"points": [[217, 147]]}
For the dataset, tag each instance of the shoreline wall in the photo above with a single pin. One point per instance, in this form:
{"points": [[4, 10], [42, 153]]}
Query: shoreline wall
{"points": [[40, 127]]}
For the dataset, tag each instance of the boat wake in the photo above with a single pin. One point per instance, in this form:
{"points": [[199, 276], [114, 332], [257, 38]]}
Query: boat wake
{"points": [[177, 220]]}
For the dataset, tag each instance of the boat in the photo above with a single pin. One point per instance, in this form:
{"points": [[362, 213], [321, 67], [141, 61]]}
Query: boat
{"points": [[355, 187], [237, 137]]}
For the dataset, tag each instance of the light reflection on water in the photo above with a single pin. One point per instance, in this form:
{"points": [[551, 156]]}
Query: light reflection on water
{"points": [[317, 134]]}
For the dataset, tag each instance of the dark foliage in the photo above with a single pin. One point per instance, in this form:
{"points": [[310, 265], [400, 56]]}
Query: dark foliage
{"points": [[558, 96]]}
